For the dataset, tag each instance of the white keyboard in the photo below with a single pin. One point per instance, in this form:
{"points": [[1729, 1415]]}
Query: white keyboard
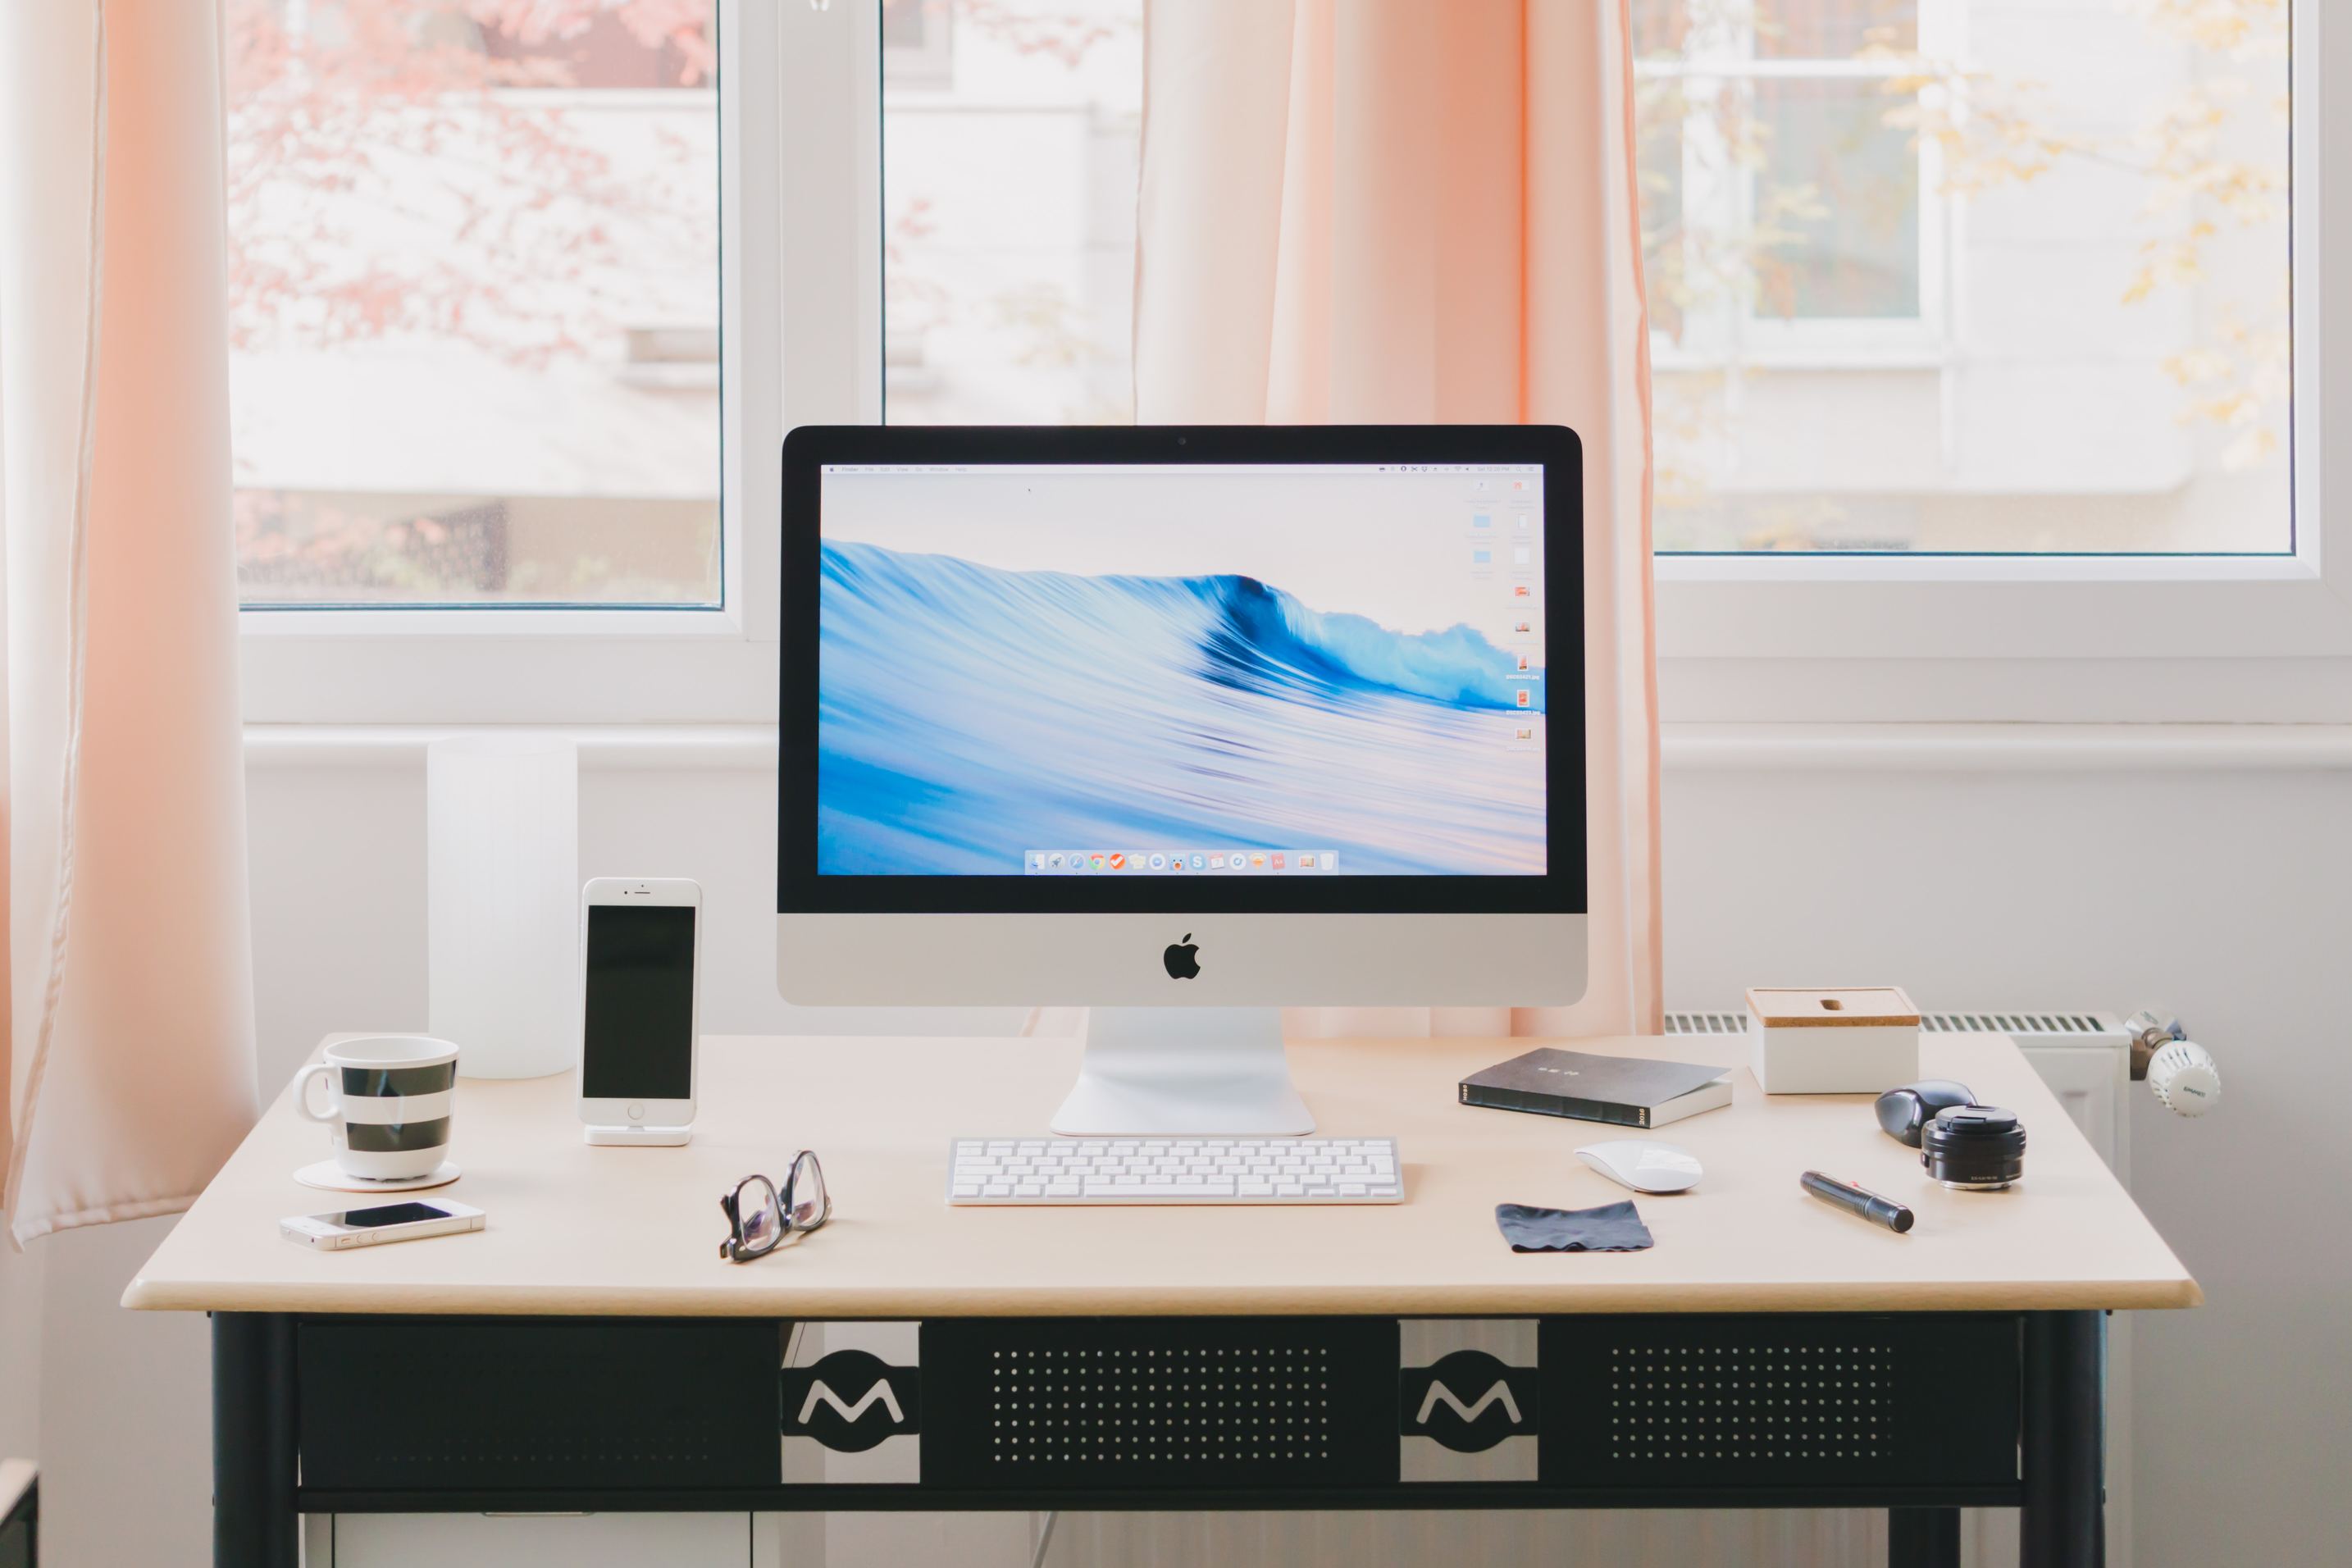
{"points": [[1046, 1170]]}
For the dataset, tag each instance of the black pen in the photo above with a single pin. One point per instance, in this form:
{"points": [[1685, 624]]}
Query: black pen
{"points": [[1857, 1201]]}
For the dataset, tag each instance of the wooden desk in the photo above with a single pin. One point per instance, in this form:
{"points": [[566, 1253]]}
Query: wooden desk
{"points": [[1991, 1303]]}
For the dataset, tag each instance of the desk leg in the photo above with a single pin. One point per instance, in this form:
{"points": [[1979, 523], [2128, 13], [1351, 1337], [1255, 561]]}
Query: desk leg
{"points": [[254, 1522], [2063, 1521], [1923, 1538]]}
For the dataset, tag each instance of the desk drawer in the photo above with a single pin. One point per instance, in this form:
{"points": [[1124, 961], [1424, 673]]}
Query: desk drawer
{"points": [[1899, 1399], [487, 1404], [1128, 1402]]}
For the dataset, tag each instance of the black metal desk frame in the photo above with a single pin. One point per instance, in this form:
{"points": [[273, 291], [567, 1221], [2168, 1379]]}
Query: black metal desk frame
{"points": [[1919, 1413]]}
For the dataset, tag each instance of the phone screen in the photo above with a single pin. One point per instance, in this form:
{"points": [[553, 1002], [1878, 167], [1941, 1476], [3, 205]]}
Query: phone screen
{"points": [[385, 1213], [639, 1036]]}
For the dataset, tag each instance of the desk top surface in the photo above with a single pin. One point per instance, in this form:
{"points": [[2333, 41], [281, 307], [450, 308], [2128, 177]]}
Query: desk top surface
{"points": [[579, 1230]]}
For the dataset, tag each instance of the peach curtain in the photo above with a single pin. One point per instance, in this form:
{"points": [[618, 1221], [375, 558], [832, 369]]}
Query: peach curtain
{"points": [[130, 1039], [1369, 211]]}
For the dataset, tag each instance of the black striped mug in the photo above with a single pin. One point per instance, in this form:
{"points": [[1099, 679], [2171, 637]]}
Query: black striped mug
{"points": [[388, 1101]]}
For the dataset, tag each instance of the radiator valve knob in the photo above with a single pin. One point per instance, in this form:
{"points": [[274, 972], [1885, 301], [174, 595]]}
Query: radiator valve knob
{"points": [[2185, 1078]]}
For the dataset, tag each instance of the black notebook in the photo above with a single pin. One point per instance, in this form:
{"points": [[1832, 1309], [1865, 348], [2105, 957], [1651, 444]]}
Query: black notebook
{"points": [[1629, 1092]]}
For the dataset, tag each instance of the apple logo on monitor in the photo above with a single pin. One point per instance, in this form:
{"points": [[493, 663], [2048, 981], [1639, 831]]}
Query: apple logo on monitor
{"points": [[1183, 959]]}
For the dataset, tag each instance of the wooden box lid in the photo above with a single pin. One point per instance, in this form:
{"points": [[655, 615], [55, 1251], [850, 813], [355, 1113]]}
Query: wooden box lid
{"points": [[1831, 1007]]}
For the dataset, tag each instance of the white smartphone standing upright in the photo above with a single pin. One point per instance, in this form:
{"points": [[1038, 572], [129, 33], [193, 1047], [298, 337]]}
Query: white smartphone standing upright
{"points": [[640, 946], [408, 1220]]}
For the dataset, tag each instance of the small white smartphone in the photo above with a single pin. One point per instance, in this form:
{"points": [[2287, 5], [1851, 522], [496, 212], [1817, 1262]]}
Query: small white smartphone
{"points": [[640, 944], [381, 1222]]}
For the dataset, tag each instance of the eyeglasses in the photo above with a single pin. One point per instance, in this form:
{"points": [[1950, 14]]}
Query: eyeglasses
{"points": [[759, 1217]]}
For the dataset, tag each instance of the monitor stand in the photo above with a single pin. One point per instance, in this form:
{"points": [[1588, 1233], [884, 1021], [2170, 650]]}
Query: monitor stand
{"points": [[1183, 1072]]}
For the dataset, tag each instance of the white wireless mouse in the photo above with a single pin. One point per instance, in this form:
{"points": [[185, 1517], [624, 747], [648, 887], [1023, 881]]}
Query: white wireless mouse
{"points": [[1645, 1166]]}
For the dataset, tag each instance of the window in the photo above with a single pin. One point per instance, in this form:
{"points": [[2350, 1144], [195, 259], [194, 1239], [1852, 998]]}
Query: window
{"points": [[474, 301], [1971, 318], [1010, 136], [1784, 209], [1936, 275]]}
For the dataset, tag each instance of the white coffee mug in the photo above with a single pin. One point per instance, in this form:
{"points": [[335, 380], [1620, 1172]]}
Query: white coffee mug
{"points": [[389, 1099]]}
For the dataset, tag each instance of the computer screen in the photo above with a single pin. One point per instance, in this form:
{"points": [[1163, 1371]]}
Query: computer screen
{"points": [[1230, 671]]}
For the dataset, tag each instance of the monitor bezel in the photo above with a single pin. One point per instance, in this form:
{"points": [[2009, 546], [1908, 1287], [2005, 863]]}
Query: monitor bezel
{"points": [[802, 889]]}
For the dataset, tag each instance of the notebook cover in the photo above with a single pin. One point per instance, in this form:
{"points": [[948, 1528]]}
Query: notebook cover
{"points": [[1625, 1091]]}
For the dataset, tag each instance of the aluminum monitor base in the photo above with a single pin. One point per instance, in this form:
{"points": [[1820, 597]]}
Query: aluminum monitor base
{"points": [[1206, 1072]]}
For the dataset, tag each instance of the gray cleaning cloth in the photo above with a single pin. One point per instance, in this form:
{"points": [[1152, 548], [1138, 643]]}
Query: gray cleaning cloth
{"points": [[1611, 1227]]}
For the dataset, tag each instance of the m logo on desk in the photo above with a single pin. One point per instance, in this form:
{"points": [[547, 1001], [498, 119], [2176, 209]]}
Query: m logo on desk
{"points": [[879, 1394], [851, 1401], [1498, 1393], [1468, 1402]]}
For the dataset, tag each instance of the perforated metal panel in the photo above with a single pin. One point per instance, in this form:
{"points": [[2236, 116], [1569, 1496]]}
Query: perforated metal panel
{"points": [[1140, 1403], [520, 1403], [1905, 1398], [1710, 1402]]}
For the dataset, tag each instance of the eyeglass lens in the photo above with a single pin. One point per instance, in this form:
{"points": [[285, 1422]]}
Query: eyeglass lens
{"points": [[757, 1213], [808, 1193]]}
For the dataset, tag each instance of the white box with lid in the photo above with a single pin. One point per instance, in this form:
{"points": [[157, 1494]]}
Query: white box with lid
{"points": [[1832, 1039]]}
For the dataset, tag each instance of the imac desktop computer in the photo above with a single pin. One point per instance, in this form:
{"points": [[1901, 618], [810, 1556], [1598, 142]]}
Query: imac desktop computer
{"points": [[1183, 725]]}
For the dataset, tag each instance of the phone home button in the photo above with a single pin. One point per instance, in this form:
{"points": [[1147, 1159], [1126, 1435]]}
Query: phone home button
{"points": [[636, 1110]]}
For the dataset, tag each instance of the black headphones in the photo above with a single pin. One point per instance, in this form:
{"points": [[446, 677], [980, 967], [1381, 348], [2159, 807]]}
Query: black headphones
{"points": [[1905, 1112]]}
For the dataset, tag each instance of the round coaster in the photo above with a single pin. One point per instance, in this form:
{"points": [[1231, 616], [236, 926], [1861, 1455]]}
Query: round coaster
{"points": [[326, 1174]]}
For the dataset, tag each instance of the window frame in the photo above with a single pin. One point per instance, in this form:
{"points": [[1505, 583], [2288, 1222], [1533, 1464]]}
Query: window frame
{"points": [[1806, 637], [1737, 334], [788, 356], [1752, 638]]}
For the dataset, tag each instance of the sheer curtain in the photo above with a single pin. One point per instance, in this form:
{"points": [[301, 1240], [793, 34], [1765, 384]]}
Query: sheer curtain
{"points": [[1391, 210], [130, 1040]]}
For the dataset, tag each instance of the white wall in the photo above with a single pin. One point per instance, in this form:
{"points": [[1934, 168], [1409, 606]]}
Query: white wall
{"points": [[2228, 894]]}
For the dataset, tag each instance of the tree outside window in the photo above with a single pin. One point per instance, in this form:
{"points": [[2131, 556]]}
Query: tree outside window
{"points": [[1929, 275], [474, 300]]}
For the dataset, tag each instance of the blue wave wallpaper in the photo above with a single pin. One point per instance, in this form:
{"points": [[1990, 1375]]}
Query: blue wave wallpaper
{"points": [[968, 715]]}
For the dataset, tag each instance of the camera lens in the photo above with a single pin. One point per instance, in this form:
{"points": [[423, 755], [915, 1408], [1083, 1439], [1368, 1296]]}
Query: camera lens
{"points": [[1974, 1148]]}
